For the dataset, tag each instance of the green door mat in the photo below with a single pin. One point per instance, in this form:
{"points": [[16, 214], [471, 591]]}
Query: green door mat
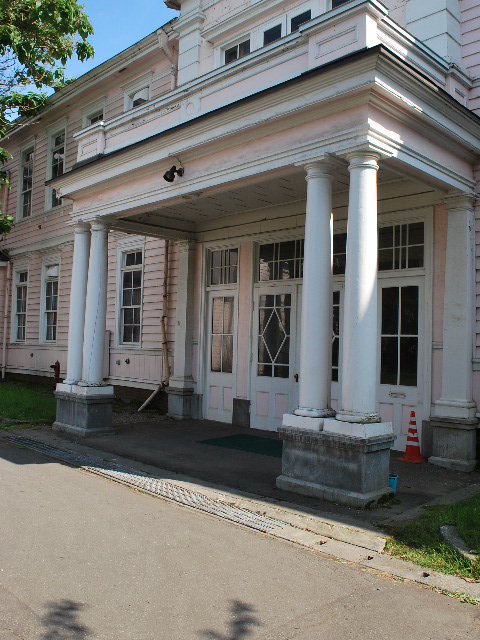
{"points": [[252, 444]]}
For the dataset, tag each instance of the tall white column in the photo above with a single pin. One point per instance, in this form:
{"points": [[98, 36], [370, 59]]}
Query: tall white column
{"points": [[78, 294], [96, 308], [359, 362], [316, 332], [458, 312]]}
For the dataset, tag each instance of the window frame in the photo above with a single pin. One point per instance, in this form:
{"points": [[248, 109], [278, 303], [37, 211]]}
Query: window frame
{"points": [[134, 244], [19, 269], [91, 110], [130, 89], [57, 129], [21, 192], [236, 43]]}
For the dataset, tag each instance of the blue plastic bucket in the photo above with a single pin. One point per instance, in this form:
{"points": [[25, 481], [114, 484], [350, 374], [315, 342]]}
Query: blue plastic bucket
{"points": [[392, 482]]}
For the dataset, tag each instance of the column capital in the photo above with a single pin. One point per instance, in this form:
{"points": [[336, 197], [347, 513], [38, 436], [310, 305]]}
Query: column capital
{"points": [[98, 225], [81, 227], [319, 169], [458, 201], [363, 160]]}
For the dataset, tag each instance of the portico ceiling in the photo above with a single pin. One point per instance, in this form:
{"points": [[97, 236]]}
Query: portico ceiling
{"points": [[191, 213]]}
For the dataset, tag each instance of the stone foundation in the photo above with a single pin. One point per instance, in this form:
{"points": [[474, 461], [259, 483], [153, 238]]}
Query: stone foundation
{"points": [[454, 443], [337, 468], [84, 411]]}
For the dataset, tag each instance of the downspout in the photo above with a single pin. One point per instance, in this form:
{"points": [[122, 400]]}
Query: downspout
{"points": [[163, 328], [5, 320], [163, 44]]}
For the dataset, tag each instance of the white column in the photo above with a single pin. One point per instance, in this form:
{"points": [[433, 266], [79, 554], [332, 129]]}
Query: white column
{"points": [[458, 312], [78, 294], [182, 363], [96, 308], [316, 331], [359, 362]]}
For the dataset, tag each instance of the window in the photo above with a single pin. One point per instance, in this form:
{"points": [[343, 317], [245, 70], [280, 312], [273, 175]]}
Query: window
{"points": [[26, 184], [338, 3], [274, 335], [51, 303], [21, 279], [272, 35], [140, 97], [223, 266], [335, 335], [401, 246], [339, 253], [399, 337], [131, 297], [57, 164], [95, 117], [281, 260], [221, 360], [237, 51], [300, 19]]}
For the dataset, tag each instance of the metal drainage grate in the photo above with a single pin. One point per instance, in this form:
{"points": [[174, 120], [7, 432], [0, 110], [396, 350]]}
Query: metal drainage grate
{"points": [[156, 487]]}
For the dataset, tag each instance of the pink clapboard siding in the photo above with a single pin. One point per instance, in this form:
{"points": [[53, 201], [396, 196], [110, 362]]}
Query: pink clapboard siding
{"points": [[470, 15]]}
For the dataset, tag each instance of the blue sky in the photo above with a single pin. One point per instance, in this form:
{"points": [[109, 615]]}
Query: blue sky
{"points": [[117, 25]]}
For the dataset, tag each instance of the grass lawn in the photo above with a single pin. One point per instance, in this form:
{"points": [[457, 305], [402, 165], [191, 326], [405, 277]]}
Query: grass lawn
{"points": [[421, 542], [28, 402]]}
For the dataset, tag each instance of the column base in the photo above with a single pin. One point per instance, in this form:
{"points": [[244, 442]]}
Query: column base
{"points": [[337, 468], [183, 403], [454, 443], [84, 411]]}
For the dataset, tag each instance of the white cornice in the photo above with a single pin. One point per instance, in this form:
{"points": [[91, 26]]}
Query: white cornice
{"points": [[45, 245]]}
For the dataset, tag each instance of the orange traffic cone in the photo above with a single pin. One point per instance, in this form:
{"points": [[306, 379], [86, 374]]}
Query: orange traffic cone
{"points": [[412, 452]]}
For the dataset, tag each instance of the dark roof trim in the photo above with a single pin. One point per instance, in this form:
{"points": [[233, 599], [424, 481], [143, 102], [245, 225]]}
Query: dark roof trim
{"points": [[376, 51]]}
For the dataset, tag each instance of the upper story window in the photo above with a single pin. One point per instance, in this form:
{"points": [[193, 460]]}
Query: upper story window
{"points": [[21, 279], [299, 19], [237, 51], [272, 34], [27, 183], [131, 297], [57, 163], [338, 3], [223, 266], [95, 117], [137, 92]]}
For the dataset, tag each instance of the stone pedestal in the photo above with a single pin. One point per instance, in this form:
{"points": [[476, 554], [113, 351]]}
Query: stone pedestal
{"points": [[84, 411], [338, 468], [180, 403], [454, 443]]}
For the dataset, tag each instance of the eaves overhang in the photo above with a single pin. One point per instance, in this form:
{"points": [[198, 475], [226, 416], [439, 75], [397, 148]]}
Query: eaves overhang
{"points": [[378, 57], [96, 75]]}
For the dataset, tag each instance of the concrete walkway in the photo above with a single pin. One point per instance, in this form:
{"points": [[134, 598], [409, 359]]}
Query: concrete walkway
{"points": [[174, 453]]}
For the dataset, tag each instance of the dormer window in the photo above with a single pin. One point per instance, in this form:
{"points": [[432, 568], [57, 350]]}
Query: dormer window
{"points": [[137, 92], [299, 19], [96, 117], [238, 51], [338, 3]]}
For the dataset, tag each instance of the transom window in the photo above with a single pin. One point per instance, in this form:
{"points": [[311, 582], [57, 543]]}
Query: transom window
{"points": [[274, 335], [222, 335], [223, 266], [27, 183], [132, 269], [281, 260], [21, 305], [51, 303], [237, 51], [399, 338], [401, 246], [57, 162]]}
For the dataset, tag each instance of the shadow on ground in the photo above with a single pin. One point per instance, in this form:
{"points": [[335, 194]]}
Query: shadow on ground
{"points": [[240, 623], [61, 621]]}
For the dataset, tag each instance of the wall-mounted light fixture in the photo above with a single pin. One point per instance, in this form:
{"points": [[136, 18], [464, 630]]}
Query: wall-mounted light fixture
{"points": [[169, 175]]}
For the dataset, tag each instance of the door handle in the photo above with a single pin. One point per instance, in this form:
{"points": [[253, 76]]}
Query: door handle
{"points": [[296, 377]]}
